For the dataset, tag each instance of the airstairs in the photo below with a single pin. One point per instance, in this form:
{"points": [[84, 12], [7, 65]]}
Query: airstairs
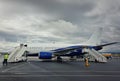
{"points": [[94, 55], [18, 54]]}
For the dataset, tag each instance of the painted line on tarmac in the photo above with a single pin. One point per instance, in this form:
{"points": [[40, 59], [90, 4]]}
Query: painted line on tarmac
{"points": [[68, 71], [59, 76]]}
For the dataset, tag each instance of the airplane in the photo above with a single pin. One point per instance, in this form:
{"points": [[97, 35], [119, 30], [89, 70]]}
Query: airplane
{"points": [[49, 51]]}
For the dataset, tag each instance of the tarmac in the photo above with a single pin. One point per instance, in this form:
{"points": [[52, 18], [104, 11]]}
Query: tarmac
{"points": [[35, 70]]}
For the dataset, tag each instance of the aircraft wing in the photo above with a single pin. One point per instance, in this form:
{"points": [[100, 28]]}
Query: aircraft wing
{"points": [[67, 50], [108, 44]]}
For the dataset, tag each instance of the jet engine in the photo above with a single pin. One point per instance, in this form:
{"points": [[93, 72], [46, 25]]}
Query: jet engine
{"points": [[45, 55]]}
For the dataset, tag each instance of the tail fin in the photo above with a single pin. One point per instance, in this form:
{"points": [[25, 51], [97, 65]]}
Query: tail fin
{"points": [[95, 39]]}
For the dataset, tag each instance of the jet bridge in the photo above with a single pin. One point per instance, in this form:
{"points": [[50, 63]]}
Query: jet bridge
{"points": [[94, 55], [18, 54]]}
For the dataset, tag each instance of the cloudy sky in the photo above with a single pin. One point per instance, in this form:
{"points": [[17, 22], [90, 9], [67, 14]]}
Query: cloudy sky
{"points": [[64, 21]]}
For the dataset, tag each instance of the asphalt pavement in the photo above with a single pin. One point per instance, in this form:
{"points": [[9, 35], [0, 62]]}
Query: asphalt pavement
{"points": [[35, 70]]}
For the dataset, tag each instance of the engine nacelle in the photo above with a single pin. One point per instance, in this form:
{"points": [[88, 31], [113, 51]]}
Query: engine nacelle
{"points": [[45, 55]]}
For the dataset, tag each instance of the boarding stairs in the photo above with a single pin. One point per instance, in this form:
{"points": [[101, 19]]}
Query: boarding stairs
{"points": [[18, 54], [95, 55]]}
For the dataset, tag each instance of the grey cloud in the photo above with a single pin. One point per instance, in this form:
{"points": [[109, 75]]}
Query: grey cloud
{"points": [[9, 37], [42, 17], [68, 12]]}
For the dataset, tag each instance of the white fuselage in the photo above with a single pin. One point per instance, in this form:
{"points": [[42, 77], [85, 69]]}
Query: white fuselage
{"points": [[36, 48]]}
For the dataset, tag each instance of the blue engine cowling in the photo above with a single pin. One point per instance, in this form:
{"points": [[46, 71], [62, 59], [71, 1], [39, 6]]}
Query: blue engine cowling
{"points": [[45, 55]]}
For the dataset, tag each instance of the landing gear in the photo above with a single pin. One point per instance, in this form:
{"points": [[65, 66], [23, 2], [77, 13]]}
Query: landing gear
{"points": [[59, 59]]}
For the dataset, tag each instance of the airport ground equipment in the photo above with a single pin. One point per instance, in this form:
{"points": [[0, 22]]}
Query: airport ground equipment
{"points": [[18, 54], [108, 56], [94, 55]]}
